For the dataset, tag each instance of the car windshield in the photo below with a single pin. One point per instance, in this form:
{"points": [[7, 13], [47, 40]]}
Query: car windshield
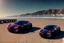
{"points": [[49, 27], [20, 22]]}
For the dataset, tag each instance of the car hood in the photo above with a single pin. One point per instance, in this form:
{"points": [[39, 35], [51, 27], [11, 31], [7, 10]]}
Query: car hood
{"points": [[13, 25], [45, 31]]}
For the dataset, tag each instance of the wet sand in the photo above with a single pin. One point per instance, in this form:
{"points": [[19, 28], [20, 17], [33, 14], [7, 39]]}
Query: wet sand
{"points": [[31, 37]]}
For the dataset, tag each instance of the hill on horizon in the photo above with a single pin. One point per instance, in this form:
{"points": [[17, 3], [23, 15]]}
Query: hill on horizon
{"points": [[49, 12]]}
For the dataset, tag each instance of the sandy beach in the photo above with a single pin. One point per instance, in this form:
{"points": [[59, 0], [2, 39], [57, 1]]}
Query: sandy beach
{"points": [[31, 37]]}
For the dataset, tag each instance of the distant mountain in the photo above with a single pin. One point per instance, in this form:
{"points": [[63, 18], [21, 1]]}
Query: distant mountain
{"points": [[50, 12]]}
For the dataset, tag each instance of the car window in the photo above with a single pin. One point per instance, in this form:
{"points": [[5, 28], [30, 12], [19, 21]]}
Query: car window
{"points": [[51, 27], [21, 22]]}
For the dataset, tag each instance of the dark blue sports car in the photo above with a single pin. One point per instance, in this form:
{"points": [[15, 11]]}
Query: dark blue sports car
{"points": [[49, 31], [19, 26]]}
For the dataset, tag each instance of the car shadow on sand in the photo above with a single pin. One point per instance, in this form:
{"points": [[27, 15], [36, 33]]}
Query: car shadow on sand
{"points": [[58, 36], [33, 29]]}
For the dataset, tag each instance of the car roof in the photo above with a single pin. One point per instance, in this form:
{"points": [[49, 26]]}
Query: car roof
{"points": [[20, 22], [50, 26]]}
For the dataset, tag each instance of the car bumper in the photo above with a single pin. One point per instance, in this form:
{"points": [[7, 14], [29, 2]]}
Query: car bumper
{"points": [[45, 35]]}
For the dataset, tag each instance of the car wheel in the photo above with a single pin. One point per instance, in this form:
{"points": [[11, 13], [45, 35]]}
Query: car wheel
{"points": [[59, 31], [30, 26]]}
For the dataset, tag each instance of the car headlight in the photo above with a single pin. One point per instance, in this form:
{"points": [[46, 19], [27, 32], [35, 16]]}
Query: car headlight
{"points": [[48, 33]]}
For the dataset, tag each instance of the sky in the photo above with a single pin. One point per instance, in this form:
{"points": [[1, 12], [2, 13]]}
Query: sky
{"points": [[17, 7]]}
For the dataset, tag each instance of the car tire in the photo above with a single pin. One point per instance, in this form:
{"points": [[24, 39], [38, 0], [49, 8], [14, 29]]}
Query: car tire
{"points": [[59, 30], [31, 26]]}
